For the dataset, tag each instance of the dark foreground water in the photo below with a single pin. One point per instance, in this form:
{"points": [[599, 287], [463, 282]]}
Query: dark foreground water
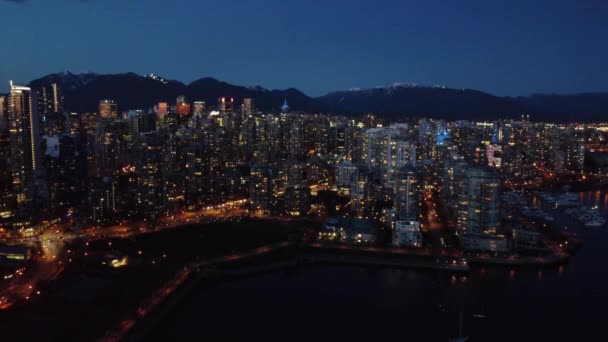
{"points": [[568, 303]]}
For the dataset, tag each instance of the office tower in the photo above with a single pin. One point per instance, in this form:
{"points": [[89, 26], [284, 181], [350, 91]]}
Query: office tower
{"points": [[199, 108], [25, 140], [108, 109], [146, 122], [140, 121], [226, 104], [182, 107], [161, 110], [50, 99], [247, 106]]}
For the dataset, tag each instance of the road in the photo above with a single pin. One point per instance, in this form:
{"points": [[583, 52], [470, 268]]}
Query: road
{"points": [[50, 256], [431, 221]]}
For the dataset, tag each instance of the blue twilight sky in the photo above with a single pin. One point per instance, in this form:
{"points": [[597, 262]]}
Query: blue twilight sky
{"points": [[507, 47]]}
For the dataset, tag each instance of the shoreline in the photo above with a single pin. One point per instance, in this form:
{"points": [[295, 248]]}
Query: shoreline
{"points": [[213, 272]]}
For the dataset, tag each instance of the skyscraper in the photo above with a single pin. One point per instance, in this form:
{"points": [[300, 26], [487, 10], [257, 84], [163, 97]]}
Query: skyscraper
{"points": [[407, 193], [199, 108], [182, 107], [50, 99], [151, 174], [226, 104], [247, 106], [24, 138], [108, 109], [479, 200], [161, 110], [3, 118]]}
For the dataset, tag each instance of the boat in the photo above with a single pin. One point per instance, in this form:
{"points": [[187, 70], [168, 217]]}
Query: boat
{"points": [[595, 222], [584, 217], [536, 212], [547, 198], [568, 199]]}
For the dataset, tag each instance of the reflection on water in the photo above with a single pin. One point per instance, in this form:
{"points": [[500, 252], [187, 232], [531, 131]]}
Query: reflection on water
{"points": [[535, 201], [594, 198], [330, 302]]}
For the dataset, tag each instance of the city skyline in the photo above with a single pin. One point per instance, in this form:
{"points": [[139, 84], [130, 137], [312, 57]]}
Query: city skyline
{"points": [[122, 192], [513, 49], [134, 207]]}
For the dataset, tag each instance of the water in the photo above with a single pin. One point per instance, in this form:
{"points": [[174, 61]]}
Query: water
{"points": [[567, 303]]}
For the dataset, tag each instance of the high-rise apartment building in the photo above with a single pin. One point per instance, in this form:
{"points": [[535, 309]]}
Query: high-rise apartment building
{"points": [[3, 117], [151, 197], [478, 200], [25, 140]]}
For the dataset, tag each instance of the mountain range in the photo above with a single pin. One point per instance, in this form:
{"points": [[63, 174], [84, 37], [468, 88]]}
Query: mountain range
{"points": [[82, 93]]}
